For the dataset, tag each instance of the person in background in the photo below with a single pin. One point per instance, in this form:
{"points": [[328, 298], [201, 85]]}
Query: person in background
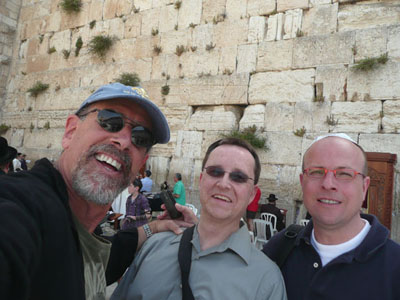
{"points": [[179, 190], [222, 261], [24, 166], [138, 210], [147, 182], [272, 209], [7, 154], [340, 254], [17, 163], [252, 209]]}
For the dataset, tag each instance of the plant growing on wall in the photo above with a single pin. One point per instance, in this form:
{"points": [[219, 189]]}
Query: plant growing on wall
{"points": [[157, 49], [249, 134], [370, 63], [4, 128], [92, 24], [100, 44], [300, 132], [330, 120], [210, 46], [78, 46], [178, 4], [71, 6], [165, 89], [179, 50], [47, 125], [51, 50], [37, 88], [130, 79], [154, 31], [66, 53]]}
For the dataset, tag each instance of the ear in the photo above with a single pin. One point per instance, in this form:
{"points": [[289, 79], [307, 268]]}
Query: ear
{"points": [[253, 194], [69, 132], [366, 182], [301, 178]]}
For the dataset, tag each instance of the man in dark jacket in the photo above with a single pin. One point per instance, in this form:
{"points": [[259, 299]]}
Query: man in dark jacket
{"points": [[7, 154], [272, 209], [341, 254], [48, 214]]}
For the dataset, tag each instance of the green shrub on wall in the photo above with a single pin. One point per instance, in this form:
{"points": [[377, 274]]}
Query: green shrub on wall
{"points": [[38, 88], [249, 134], [100, 44], [131, 79], [71, 6]]}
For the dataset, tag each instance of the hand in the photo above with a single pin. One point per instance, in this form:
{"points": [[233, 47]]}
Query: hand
{"points": [[132, 217], [187, 213]]}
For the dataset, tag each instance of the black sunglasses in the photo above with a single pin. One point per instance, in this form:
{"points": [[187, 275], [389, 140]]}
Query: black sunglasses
{"points": [[235, 176], [113, 122]]}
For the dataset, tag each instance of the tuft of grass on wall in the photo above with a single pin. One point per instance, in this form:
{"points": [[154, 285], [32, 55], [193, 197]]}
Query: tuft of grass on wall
{"points": [[4, 128], [300, 132], [78, 46], [92, 24], [165, 90], [249, 134], [38, 88], [66, 53], [157, 49], [180, 49], [51, 50], [71, 6], [370, 63], [100, 44], [130, 79]]}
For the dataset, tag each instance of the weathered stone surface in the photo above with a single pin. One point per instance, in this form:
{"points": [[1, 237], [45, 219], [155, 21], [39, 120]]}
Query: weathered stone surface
{"points": [[393, 45], [321, 19], [253, 115], [274, 56], [257, 29], [236, 30], [42, 138], [279, 26], [256, 7], [357, 116], [380, 83], [200, 64], [188, 144], [159, 167], [247, 58], [312, 116], [272, 28], [202, 36], [323, 50], [211, 10], [170, 40], [115, 8], [190, 12], [285, 86], [96, 10], [150, 21], [284, 148], [292, 23], [235, 9], [279, 116], [61, 40], [391, 113], [227, 60], [334, 81], [366, 15], [37, 63], [214, 118], [370, 43], [283, 5], [212, 90], [314, 3], [142, 5], [381, 143], [75, 20], [168, 18], [133, 25]]}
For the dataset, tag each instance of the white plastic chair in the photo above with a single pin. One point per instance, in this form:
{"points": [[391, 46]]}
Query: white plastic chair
{"points": [[193, 208], [304, 222], [261, 229], [271, 218]]}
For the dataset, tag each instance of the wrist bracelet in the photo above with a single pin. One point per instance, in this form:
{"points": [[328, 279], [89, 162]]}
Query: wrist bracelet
{"points": [[147, 230]]}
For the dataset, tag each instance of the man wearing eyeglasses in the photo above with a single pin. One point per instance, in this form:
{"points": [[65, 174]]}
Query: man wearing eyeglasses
{"points": [[222, 262], [340, 254], [48, 214]]}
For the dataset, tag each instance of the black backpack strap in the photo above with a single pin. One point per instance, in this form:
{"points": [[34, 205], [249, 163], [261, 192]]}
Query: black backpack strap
{"points": [[185, 260], [287, 243]]}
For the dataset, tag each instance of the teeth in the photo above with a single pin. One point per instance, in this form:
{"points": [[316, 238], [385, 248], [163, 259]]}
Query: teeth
{"points": [[328, 201], [109, 160], [223, 198]]}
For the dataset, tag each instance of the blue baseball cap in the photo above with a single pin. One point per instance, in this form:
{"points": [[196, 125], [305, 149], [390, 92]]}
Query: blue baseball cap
{"points": [[138, 95]]}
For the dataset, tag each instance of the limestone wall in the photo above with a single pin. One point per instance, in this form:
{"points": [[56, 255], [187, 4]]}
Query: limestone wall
{"points": [[261, 62]]}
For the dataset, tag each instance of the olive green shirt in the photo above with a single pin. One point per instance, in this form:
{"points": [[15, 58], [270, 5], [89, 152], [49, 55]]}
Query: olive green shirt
{"points": [[235, 269]]}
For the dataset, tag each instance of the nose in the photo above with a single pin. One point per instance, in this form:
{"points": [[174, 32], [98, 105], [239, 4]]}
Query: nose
{"points": [[122, 138], [329, 181], [224, 181]]}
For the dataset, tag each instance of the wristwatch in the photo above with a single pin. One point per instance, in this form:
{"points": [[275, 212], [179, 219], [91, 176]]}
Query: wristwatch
{"points": [[147, 230]]}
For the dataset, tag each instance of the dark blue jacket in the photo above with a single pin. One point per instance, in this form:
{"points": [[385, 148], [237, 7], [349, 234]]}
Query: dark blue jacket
{"points": [[370, 271]]}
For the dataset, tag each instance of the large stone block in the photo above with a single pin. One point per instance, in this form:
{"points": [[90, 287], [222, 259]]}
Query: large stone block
{"points": [[321, 19], [96, 10], [237, 31], [114, 28], [256, 7], [235, 9], [53, 22], [170, 40], [214, 118], [334, 82], [292, 23], [247, 58], [168, 18], [202, 36], [380, 83], [257, 29], [189, 144], [312, 116], [143, 46], [150, 21], [367, 15], [211, 10], [279, 116], [37, 63], [227, 60], [201, 64], [370, 43], [283, 5], [272, 27], [357, 116], [212, 90], [284, 148], [133, 26], [381, 143], [159, 167], [45, 139], [285, 86], [142, 5], [116, 8], [75, 20], [253, 115], [275, 56], [323, 50], [61, 40], [190, 12], [391, 120], [393, 45]]}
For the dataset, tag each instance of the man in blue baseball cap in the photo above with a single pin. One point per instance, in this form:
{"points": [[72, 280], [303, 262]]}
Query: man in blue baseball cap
{"points": [[52, 252]]}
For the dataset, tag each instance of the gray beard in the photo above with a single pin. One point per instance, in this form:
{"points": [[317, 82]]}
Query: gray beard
{"points": [[98, 188]]}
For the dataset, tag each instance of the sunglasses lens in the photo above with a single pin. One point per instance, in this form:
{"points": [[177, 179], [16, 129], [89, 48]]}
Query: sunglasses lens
{"points": [[141, 137], [110, 121], [238, 177], [215, 171]]}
